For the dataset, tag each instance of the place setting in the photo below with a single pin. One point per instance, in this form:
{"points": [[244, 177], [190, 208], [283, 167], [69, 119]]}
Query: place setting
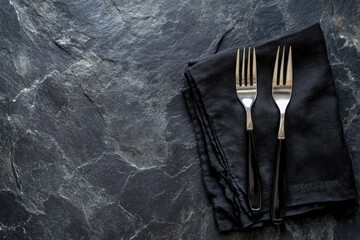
{"points": [[269, 137]]}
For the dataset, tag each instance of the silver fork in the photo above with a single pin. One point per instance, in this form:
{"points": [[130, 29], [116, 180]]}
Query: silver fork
{"points": [[281, 92], [246, 91]]}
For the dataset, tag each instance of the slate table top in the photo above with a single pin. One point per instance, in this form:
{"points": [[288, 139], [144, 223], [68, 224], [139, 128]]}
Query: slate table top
{"points": [[90, 102]]}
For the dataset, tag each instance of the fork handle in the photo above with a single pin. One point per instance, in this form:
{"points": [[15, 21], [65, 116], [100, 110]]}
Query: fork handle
{"points": [[253, 175], [279, 184]]}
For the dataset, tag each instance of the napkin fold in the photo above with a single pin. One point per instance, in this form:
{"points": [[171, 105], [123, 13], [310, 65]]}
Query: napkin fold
{"points": [[319, 170]]}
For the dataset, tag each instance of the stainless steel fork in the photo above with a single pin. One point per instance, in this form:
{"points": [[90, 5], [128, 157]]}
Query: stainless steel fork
{"points": [[281, 92], [246, 91]]}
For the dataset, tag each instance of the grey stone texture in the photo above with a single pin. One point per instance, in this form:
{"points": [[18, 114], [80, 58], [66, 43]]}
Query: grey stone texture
{"points": [[95, 141]]}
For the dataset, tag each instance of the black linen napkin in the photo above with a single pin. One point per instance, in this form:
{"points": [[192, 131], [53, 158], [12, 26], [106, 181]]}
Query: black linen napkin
{"points": [[319, 171]]}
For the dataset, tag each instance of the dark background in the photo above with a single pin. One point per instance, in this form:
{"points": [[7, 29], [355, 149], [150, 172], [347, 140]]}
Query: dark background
{"points": [[93, 143]]}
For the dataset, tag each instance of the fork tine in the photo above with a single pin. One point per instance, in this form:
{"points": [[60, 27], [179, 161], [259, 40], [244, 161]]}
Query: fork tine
{"points": [[248, 69], [243, 69], [276, 69], [237, 70], [281, 79], [254, 72], [289, 70]]}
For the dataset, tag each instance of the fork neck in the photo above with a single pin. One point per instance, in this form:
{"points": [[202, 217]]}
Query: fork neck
{"points": [[281, 133], [249, 122]]}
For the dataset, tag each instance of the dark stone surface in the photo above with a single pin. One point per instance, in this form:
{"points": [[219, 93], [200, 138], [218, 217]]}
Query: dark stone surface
{"points": [[91, 143]]}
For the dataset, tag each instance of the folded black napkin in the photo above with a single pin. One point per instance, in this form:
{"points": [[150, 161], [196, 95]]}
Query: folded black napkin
{"points": [[319, 171]]}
